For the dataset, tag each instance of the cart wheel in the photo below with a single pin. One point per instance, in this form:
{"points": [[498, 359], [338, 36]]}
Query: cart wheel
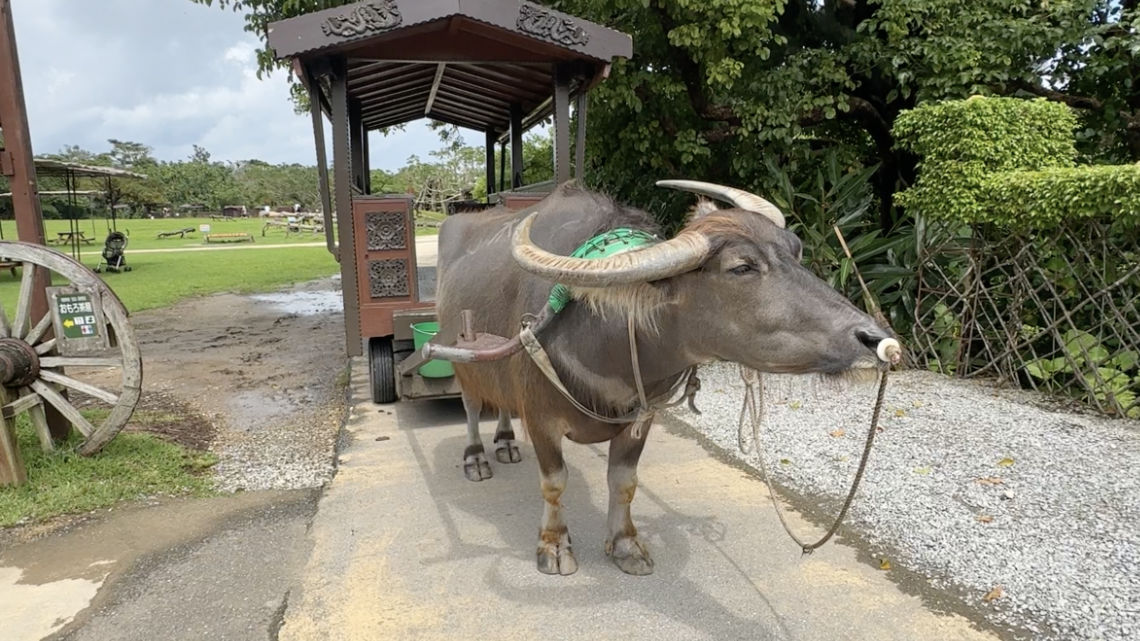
{"points": [[127, 268], [382, 369], [32, 370], [98, 269]]}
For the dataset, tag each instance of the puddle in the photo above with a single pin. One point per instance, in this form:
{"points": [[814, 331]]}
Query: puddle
{"points": [[32, 612], [302, 303], [252, 410]]}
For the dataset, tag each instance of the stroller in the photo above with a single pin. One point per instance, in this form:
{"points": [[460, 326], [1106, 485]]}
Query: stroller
{"points": [[113, 259]]}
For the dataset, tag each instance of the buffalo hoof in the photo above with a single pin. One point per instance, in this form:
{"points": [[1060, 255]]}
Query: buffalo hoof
{"points": [[630, 555], [476, 467], [557, 557], [507, 452]]}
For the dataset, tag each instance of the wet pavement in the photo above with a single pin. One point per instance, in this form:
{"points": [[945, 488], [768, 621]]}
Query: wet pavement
{"points": [[216, 568]]}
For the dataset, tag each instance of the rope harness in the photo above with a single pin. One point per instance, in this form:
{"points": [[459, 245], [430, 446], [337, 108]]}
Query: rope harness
{"points": [[640, 417], [611, 243]]}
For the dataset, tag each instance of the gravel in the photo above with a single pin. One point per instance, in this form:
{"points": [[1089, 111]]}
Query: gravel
{"points": [[969, 485]]}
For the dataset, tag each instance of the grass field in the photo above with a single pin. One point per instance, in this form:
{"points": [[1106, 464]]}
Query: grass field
{"points": [[132, 466], [140, 465], [143, 232], [161, 279]]}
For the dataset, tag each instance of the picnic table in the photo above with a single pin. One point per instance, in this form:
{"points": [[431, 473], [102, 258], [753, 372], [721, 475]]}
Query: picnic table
{"points": [[64, 237]]}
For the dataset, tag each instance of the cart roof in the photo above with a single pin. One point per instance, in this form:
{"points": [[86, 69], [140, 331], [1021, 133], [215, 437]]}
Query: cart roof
{"points": [[463, 62]]}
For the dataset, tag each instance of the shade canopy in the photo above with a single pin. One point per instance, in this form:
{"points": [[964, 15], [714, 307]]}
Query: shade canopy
{"points": [[462, 62], [60, 168]]}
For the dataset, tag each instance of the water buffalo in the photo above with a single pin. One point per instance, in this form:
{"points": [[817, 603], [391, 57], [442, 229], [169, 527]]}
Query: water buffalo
{"points": [[729, 287]]}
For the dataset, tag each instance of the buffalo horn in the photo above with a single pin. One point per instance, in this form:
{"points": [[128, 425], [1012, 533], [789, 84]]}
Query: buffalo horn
{"points": [[731, 195], [684, 253]]}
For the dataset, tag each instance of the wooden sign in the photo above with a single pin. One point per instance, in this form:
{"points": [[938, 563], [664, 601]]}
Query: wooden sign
{"points": [[77, 316]]}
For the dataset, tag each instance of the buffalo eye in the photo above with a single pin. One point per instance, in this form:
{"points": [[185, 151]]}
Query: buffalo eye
{"points": [[744, 268]]}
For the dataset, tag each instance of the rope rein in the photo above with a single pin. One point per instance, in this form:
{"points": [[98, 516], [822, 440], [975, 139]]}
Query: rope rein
{"points": [[753, 407]]}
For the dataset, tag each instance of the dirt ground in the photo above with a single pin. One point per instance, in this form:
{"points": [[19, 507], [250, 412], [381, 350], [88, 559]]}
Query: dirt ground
{"points": [[260, 380], [257, 379], [262, 375]]}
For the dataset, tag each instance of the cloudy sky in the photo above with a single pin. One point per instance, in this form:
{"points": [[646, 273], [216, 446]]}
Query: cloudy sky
{"points": [[169, 74]]}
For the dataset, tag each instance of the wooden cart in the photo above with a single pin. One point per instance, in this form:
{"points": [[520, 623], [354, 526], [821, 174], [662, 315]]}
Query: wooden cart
{"points": [[494, 66]]}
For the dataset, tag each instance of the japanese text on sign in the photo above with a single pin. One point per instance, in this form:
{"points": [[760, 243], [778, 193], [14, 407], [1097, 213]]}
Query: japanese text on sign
{"points": [[76, 317]]}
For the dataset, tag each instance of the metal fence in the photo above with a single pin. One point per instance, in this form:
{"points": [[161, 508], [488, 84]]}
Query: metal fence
{"points": [[1055, 310]]}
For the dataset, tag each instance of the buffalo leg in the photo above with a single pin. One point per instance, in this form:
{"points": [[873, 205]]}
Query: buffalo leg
{"points": [[622, 544], [506, 449], [475, 465], [554, 555]]}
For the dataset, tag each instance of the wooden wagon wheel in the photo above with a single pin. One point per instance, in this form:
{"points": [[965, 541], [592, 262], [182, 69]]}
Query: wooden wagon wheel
{"points": [[32, 366]]}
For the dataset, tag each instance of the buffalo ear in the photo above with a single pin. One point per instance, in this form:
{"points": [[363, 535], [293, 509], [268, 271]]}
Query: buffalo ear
{"points": [[703, 208]]}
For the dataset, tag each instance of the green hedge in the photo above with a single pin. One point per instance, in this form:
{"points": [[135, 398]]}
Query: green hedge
{"points": [[1007, 161], [1043, 198]]}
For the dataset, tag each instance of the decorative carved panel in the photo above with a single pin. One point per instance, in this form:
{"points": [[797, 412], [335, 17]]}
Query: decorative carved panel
{"points": [[388, 278], [386, 230], [544, 24], [380, 15]]}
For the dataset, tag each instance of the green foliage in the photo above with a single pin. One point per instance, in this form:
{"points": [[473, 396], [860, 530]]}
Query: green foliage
{"points": [[130, 467], [1009, 162], [277, 185], [1050, 196], [715, 86], [1109, 377], [965, 143], [841, 196]]}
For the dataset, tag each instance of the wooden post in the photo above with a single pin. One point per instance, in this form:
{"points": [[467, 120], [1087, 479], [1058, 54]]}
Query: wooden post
{"points": [[516, 146], [365, 158], [490, 163], [502, 167], [356, 144], [315, 99], [342, 177], [561, 125], [18, 166], [580, 140]]}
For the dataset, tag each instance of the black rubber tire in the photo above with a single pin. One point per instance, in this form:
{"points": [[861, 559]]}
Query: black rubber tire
{"points": [[382, 369]]}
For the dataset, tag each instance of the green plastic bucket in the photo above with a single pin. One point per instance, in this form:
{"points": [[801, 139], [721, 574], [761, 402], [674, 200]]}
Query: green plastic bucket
{"points": [[422, 333]]}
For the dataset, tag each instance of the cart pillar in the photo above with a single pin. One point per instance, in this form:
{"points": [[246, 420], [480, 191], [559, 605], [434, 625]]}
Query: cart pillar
{"points": [[342, 180], [580, 139], [516, 146], [561, 124], [491, 138]]}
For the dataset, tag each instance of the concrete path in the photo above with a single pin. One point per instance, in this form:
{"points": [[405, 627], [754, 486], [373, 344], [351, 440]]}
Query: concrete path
{"points": [[405, 548]]}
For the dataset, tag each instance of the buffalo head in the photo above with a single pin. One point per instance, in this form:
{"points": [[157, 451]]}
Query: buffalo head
{"points": [[732, 287]]}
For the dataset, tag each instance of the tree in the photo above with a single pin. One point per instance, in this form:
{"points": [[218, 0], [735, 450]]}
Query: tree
{"points": [[128, 155], [716, 85], [261, 183]]}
